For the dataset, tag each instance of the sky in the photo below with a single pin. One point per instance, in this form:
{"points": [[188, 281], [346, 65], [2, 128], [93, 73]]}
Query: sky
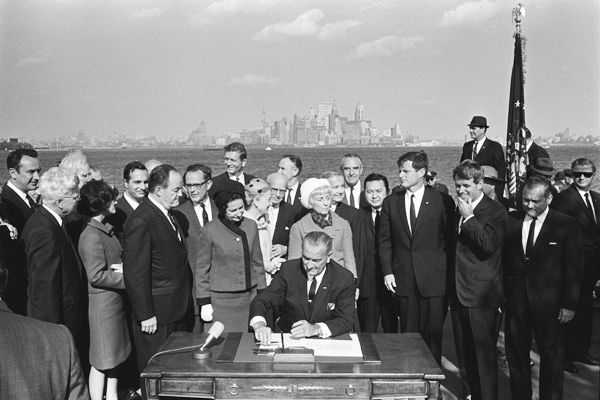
{"points": [[157, 67]]}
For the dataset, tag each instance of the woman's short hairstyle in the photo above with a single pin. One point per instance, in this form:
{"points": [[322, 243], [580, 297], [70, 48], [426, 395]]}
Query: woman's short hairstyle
{"points": [[57, 183], [95, 198], [75, 162]]}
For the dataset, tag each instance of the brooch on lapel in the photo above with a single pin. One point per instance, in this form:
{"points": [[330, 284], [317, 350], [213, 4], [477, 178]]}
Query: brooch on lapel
{"points": [[330, 306]]}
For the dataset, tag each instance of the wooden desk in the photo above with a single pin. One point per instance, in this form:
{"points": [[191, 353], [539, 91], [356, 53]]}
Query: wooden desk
{"points": [[407, 371]]}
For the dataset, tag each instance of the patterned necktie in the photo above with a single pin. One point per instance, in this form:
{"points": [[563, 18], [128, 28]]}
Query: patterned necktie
{"points": [[529, 243], [474, 155], [590, 207]]}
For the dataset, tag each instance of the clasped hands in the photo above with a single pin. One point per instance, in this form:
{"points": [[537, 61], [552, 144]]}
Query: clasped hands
{"points": [[300, 329]]}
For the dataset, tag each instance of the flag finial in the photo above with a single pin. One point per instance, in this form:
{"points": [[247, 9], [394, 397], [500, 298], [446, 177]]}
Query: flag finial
{"points": [[518, 14]]}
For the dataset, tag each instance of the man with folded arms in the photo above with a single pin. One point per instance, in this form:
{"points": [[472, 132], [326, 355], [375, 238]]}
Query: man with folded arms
{"points": [[311, 296]]}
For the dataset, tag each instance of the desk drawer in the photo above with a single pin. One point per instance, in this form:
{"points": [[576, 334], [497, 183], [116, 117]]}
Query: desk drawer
{"points": [[282, 388], [197, 388], [400, 389]]}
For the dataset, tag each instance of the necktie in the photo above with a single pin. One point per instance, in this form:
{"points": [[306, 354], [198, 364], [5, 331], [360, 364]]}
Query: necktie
{"points": [[529, 244], [312, 291], [204, 215], [474, 155], [172, 220], [590, 207], [413, 214], [288, 197], [352, 202], [377, 219]]}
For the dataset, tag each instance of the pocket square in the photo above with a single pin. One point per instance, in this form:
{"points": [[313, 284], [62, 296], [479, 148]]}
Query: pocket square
{"points": [[330, 306], [552, 244]]}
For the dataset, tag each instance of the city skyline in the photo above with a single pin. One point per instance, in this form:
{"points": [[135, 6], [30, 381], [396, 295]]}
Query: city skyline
{"points": [[159, 68]]}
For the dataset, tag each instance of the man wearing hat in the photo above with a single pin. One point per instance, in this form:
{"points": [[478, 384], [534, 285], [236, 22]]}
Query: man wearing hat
{"points": [[484, 150], [543, 168]]}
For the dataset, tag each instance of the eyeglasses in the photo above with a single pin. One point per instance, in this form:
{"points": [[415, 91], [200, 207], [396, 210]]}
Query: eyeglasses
{"points": [[585, 174], [75, 197], [193, 186], [278, 190]]}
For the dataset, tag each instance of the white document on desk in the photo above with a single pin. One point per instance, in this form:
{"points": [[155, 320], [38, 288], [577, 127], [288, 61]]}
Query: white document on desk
{"points": [[322, 347]]}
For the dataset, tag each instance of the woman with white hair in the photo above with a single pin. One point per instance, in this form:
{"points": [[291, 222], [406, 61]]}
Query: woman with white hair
{"points": [[76, 163], [258, 198], [315, 195]]}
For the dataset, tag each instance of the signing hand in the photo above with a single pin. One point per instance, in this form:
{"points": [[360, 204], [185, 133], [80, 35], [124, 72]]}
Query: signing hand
{"points": [[302, 329], [262, 333], [565, 315], [465, 207], [390, 282], [206, 312], [149, 326]]}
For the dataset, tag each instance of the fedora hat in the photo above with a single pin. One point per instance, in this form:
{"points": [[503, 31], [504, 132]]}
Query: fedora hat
{"points": [[478, 121], [490, 173], [542, 166]]}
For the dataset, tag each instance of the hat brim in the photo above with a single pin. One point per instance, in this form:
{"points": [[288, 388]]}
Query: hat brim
{"points": [[542, 172], [478, 126]]}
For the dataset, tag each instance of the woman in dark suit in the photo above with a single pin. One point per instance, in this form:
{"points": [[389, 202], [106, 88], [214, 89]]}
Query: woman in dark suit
{"points": [[100, 252], [231, 270]]}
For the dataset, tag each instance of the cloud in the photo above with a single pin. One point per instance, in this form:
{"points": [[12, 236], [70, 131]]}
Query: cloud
{"points": [[338, 29], [253, 80], [386, 46], [228, 7], [32, 60], [306, 24], [470, 12], [147, 13]]}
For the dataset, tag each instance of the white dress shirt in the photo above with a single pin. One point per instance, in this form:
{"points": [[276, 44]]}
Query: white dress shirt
{"points": [[292, 192], [417, 201], [130, 200], [479, 144], [582, 193], [240, 178], [355, 192], [538, 227], [165, 212], [273, 214], [198, 211]]}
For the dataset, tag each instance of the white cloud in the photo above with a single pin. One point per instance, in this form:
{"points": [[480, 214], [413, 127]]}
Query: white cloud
{"points": [[386, 46], [147, 13], [470, 12], [306, 24], [32, 60], [253, 80], [337, 29]]}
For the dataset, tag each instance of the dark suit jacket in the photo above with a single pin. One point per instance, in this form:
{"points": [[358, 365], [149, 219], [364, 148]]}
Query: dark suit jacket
{"points": [[423, 258], [536, 151], [222, 182], [194, 236], [366, 253], [286, 297], [118, 219], [297, 208], [57, 286], [14, 210], [570, 202], [362, 200], [551, 276], [478, 268], [39, 360], [155, 266], [347, 212], [491, 153], [285, 219]]}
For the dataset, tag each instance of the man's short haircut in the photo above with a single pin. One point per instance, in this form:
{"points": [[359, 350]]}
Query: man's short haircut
{"points": [[294, 159], [238, 147], [132, 166], [330, 174], [56, 183], [350, 155], [95, 198], [468, 169], [534, 181], [3, 278], [14, 157], [75, 162], [374, 177], [418, 158], [318, 238], [160, 177], [205, 169], [583, 162]]}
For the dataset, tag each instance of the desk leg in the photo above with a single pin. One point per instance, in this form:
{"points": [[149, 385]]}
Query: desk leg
{"points": [[434, 391]]}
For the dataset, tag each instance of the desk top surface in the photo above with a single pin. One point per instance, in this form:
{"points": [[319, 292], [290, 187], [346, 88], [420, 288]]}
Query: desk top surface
{"points": [[402, 356]]}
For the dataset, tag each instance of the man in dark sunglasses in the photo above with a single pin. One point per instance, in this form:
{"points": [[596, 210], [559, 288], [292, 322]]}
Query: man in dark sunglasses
{"points": [[583, 204]]}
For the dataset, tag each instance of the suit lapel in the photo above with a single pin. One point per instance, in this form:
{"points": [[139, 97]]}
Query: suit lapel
{"points": [[304, 298], [424, 211], [14, 198], [165, 221], [541, 238], [402, 210], [320, 300], [581, 203]]}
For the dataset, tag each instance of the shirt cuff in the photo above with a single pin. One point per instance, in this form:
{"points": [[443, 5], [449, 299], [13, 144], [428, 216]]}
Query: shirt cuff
{"points": [[325, 332], [256, 319]]}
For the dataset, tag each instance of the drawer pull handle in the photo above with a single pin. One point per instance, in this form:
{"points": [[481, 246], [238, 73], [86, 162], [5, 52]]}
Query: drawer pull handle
{"points": [[234, 389], [350, 391]]}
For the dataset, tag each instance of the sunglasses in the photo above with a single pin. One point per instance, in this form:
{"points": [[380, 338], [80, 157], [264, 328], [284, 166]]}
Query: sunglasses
{"points": [[585, 174]]}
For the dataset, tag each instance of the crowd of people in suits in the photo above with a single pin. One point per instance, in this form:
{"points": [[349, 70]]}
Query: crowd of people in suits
{"points": [[317, 257]]}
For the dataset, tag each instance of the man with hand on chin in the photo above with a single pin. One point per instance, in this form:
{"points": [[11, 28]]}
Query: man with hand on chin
{"points": [[311, 296]]}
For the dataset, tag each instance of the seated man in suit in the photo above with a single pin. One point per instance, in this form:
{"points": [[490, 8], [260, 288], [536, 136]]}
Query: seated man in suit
{"points": [[311, 296]]}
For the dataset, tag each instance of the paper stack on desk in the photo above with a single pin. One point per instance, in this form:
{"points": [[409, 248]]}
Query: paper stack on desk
{"points": [[342, 348]]}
